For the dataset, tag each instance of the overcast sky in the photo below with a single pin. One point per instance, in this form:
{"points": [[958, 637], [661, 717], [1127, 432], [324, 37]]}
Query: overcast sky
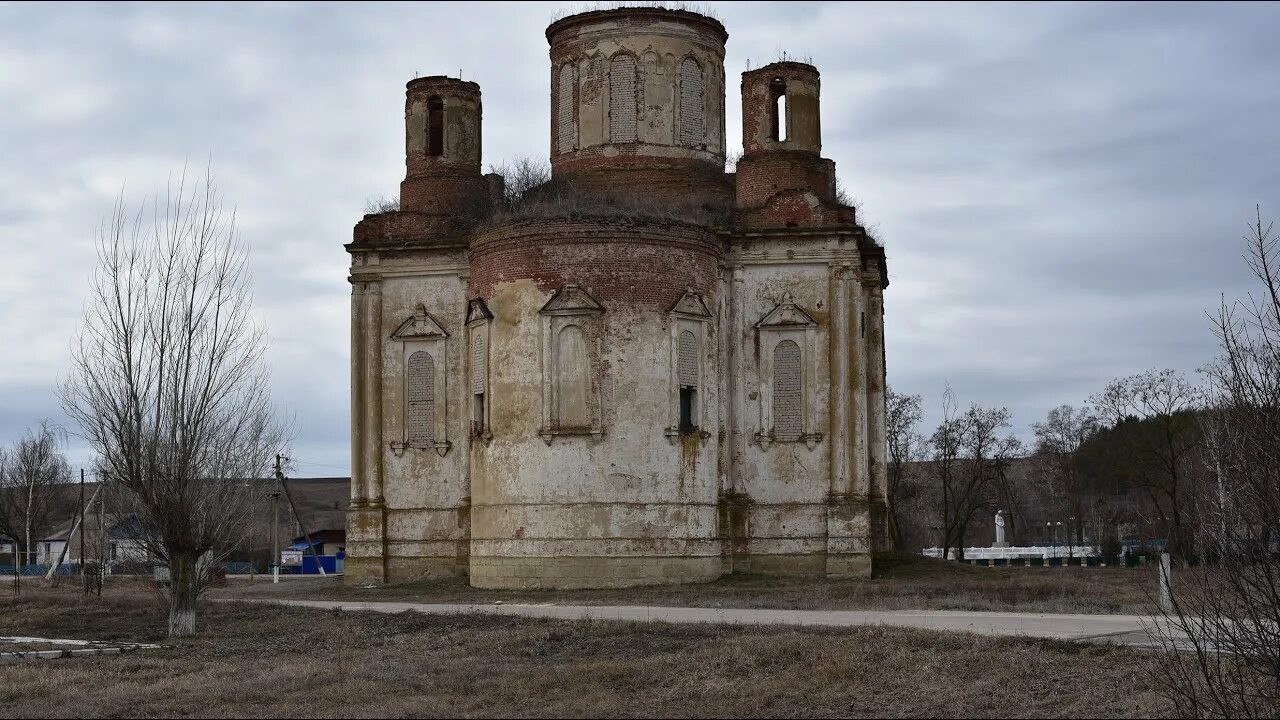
{"points": [[1061, 188]]}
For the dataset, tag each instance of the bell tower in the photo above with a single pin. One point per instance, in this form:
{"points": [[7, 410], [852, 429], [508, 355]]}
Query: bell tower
{"points": [[782, 136], [442, 147]]}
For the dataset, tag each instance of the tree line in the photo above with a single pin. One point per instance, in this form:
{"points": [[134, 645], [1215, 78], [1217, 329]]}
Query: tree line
{"points": [[1192, 462], [1122, 466]]}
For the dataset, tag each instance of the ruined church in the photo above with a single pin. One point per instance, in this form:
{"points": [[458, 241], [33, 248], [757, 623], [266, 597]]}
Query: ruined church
{"points": [[646, 369]]}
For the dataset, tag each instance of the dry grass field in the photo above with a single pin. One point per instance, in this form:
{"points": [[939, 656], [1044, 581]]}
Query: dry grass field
{"points": [[262, 660], [902, 582]]}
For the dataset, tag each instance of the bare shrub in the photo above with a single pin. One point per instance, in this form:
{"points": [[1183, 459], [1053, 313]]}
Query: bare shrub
{"points": [[381, 204], [521, 177], [843, 197], [1222, 633], [699, 8]]}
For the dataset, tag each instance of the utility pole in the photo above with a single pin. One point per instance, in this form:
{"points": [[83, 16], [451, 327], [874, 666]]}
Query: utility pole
{"points": [[275, 536], [102, 535], [84, 579], [76, 525], [306, 536]]}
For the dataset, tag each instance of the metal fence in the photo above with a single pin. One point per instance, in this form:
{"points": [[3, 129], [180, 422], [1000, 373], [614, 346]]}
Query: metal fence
{"points": [[38, 570]]}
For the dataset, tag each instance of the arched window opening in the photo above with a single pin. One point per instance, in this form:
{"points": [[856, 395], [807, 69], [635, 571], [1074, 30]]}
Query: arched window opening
{"points": [[622, 99], [420, 392], [435, 126], [573, 379], [692, 104], [687, 376], [787, 424], [778, 110], [566, 129]]}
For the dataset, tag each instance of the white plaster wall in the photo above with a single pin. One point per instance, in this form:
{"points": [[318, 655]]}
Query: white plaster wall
{"points": [[789, 483], [424, 491], [634, 491]]}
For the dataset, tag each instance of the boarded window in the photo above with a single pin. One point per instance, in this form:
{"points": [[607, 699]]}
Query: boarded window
{"points": [[622, 99], [435, 126], [693, 129], [478, 361], [573, 379], [420, 391], [566, 128], [479, 368], [787, 424], [687, 360]]}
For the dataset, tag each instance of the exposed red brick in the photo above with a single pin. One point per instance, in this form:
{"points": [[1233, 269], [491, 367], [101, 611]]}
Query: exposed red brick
{"points": [[649, 265], [764, 174]]}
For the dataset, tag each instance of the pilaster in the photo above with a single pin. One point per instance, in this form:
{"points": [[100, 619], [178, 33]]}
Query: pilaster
{"points": [[373, 450], [878, 449], [358, 496], [859, 485]]}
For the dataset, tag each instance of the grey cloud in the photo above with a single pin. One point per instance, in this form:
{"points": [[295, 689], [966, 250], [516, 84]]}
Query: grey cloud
{"points": [[1061, 187]]}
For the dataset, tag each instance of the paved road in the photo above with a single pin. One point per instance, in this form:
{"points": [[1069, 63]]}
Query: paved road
{"points": [[1122, 629]]}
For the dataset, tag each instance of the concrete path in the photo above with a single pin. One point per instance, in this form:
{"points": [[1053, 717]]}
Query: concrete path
{"points": [[1121, 629]]}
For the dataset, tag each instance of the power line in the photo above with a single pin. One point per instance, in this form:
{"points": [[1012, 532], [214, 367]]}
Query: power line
{"points": [[303, 462]]}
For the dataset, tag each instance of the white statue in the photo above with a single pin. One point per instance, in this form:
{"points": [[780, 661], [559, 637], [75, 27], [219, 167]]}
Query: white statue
{"points": [[1000, 529]]}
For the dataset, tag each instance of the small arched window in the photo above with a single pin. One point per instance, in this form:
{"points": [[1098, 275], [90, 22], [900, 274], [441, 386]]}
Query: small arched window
{"points": [[566, 128], [787, 424], [573, 379], [693, 128], [435, 126], [622, 99], [420, 400]]}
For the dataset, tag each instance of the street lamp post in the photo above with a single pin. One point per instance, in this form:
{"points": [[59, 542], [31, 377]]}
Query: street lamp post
{"points": [[1071, 550]]}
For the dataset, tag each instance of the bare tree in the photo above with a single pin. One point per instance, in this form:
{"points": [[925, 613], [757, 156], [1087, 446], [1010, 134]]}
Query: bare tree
{"points": [[906, 446], [1227, 661], [29, 476], [1058, 442], [1159, 445], [168, 384], [970, 462], [987, 456]]}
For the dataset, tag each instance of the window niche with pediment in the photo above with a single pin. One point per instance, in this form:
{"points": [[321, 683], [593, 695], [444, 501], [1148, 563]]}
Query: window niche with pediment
{"points": [[479, 320], [787, 348], [423, 384], [572, 327], [690, 322]]}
